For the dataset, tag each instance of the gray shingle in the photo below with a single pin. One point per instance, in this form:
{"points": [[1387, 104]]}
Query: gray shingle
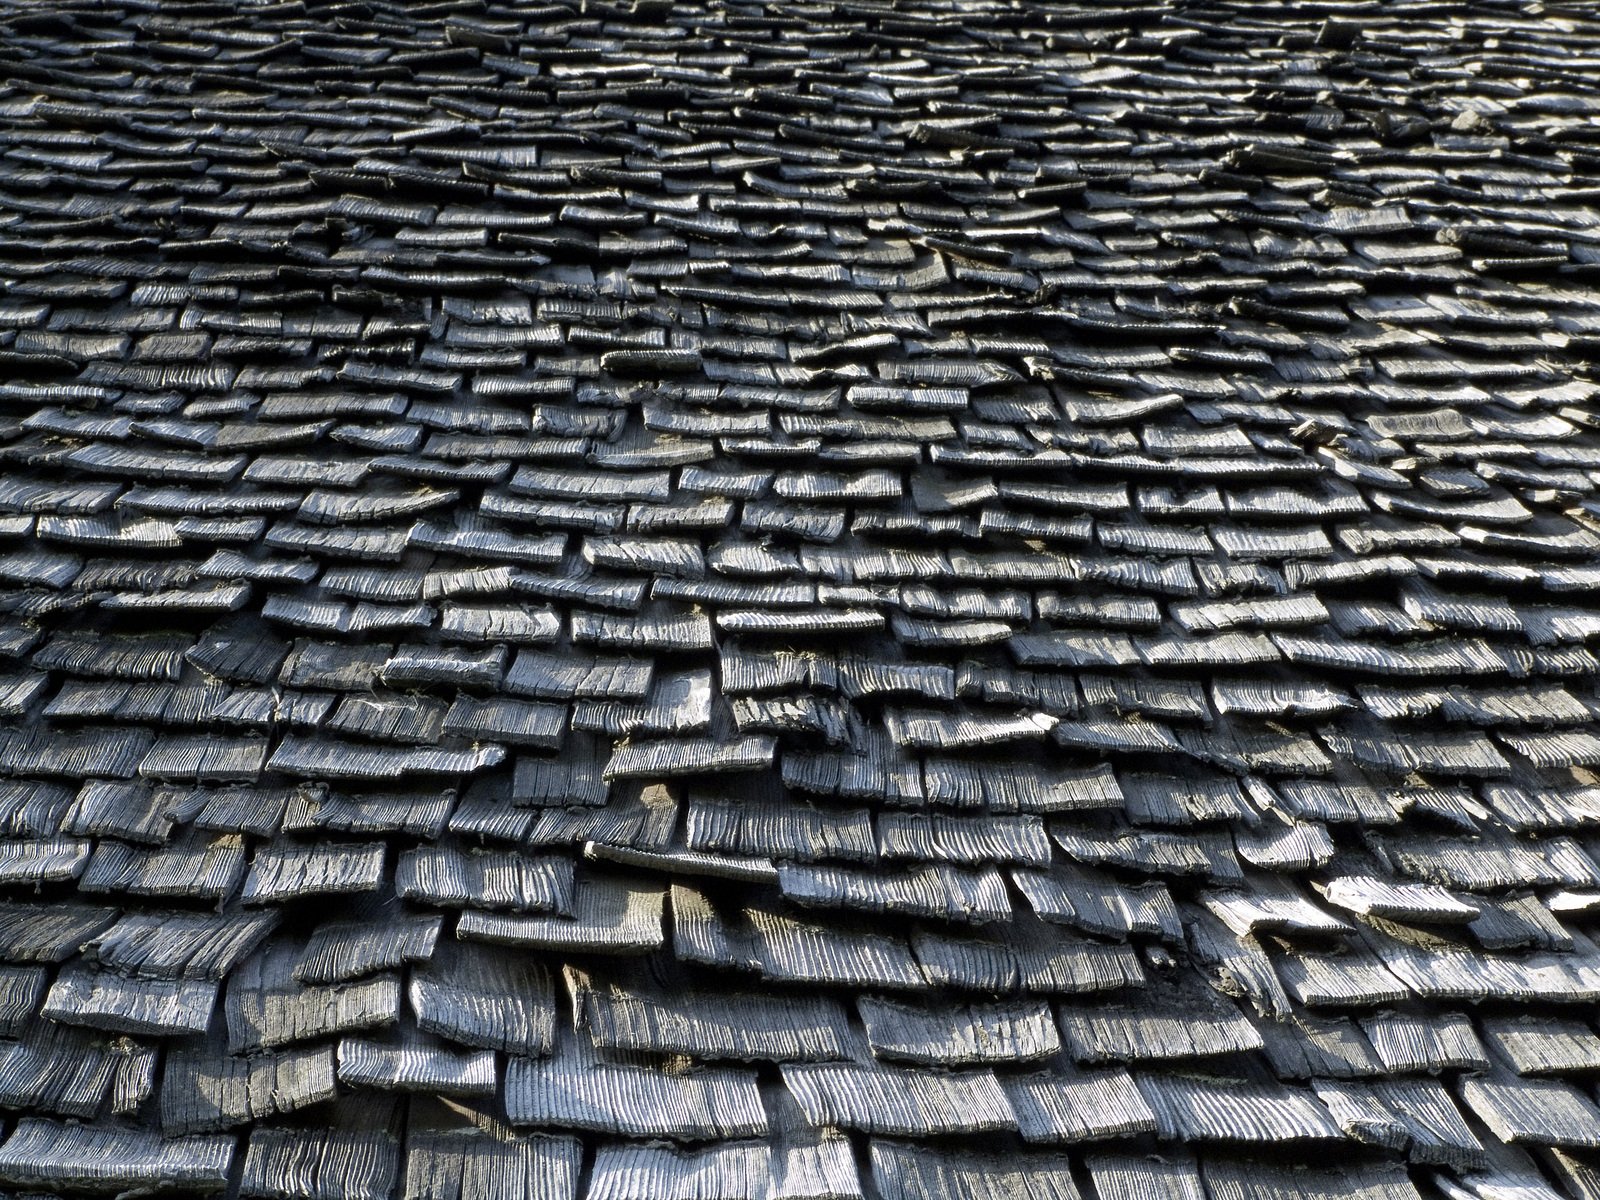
{"points": [[577, 1090]]}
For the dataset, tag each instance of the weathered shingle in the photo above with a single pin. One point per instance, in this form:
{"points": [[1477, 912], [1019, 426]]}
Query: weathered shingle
{"points": [[451, 1164], [710, 1025], [894, 1100], [577, 1090], [108, 1158], [476, 995], [1063, 542]]}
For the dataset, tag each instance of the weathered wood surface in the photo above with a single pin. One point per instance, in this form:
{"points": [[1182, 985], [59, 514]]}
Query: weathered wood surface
{"points": [[617, 600]]}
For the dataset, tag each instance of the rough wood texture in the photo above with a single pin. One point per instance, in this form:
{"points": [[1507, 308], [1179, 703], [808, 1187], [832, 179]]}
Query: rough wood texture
{"points": [[732, 600]]}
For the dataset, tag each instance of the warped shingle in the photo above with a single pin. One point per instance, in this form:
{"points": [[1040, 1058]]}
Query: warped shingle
{"points": [[1127, 1177], [564, 677], [1426, 903], [1199, 1109], [1095, 903], [608, 915], [477, 995], [283, 873], [205, 1088], [894, 1100], [412, 1064], [421, 813], [935, 837], [105, 752], [384, 940], [82, 995], [1351, 977], [782, 947], [71, 1072], [1309, 1047], [193, 867], [577, 1090], [1062, 1106], [267, 1006], [690, 631], [178, 945], [964, 1034], [726, 1171], [1157, 1025], [462, 1164], [455, 878], [325, 758], [1408, 1044], [1030, 956], [112, 1158], [689, 756], [321, 1164], [55, 860], [1240, 1179], [34, 933], [905, 1171], [512, 722], [933, 890], [709, 1024], [1416, 1115], [778, 827], [1541, 1112]]}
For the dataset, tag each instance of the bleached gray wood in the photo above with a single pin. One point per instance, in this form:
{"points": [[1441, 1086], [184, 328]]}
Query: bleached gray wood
{"points": [[453, 877], [485, 996], [415, 1064], [467, 1164], [907, 1171], [894, 1100], [778, 946], [67, 1071], [934, 890], [174, 945], [1409, 1043], [1270, 904], [94, 999], [1416, 1116], [709, 1024], [1540, 1112], [111, 1158], [389, 938], [1243, 1179], [740, 1170], [1094, 902], [1543, 1045], [778, 827], [609, 915], [194, 867], [267, 1006], [205, 1088], [935, 837], [1173, 1176], [320, 1164], [1349, 978], [1027, 955], [279, 874], [1398, 900], [944, 1034], [578, 1090], [1214, 1109], [1307, 1047], [1159, 1024], [1071, 1106]]}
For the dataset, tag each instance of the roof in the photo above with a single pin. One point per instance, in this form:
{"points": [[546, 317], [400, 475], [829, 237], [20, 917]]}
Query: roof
{"points": [[802, 601]]}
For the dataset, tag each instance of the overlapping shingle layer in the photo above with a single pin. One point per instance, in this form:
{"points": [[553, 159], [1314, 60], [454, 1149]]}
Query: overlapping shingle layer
{"points": [[799, 601]]}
